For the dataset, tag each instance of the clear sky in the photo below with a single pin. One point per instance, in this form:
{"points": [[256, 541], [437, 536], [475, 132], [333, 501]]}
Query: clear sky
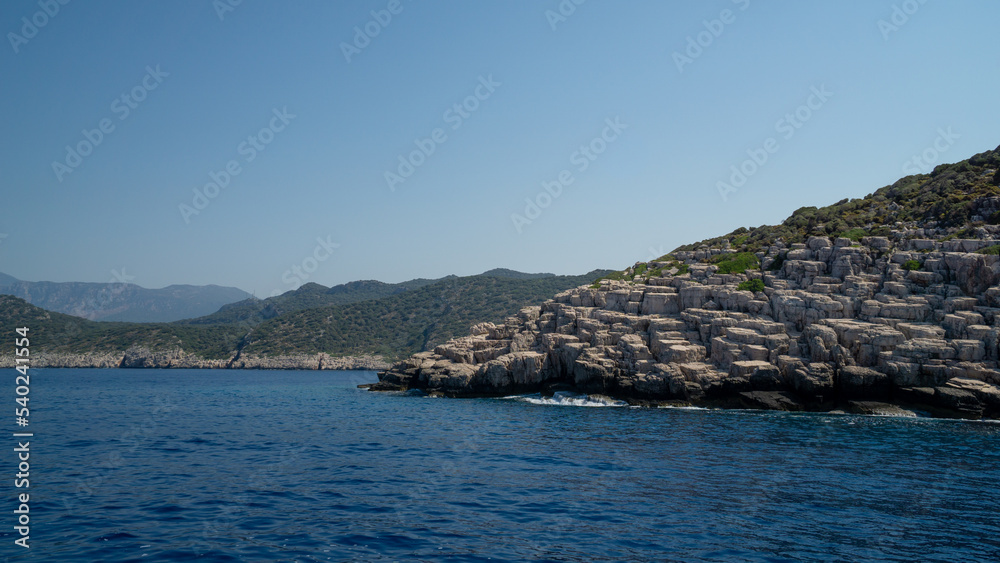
{"points": [[641, 108]]}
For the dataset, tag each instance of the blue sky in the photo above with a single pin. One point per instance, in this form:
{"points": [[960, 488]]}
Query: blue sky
{"points": [[838, 96]]}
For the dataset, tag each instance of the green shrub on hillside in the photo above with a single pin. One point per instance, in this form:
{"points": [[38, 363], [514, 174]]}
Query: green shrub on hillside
{"points": [[735, 263], [990, 250], [753, 285], [618, 276], [911, 265], [855, 234]]}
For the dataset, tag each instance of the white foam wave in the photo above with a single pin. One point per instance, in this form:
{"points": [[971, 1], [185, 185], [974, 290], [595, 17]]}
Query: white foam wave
{"points": [[567, 399]]}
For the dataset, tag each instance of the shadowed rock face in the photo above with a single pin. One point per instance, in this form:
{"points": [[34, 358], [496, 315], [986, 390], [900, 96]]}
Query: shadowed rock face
{"points": [[838, 322]]}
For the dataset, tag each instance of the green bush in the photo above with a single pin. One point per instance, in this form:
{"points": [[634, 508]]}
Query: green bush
{"points": [[777, 263], [753, 285], [993, 250], [911, 265], [854, 234], [612, 276], [682, 269], [735, 263]]}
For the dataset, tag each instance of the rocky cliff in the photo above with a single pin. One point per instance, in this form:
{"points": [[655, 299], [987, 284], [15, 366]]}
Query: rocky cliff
{"points": [[910, 318]]}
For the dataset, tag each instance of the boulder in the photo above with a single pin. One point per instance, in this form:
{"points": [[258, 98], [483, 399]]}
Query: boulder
{"points": [[771, 400], [861, 382]]}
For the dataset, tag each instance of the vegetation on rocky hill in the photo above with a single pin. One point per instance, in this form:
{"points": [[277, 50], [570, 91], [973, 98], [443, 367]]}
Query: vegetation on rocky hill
{"points": [[392, 320], [894, 297], [406, 323], [947, 197], [954, 200]]}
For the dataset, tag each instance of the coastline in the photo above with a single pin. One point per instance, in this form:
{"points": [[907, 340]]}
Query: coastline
{"points": [[176, 359], [776, 401]]}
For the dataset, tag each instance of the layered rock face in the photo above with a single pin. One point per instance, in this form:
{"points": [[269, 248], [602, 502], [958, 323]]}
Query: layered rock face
{"points": [[837, 322]]}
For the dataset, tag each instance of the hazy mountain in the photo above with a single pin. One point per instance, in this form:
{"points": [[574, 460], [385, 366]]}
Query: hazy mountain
{"points": [[122, 301]]}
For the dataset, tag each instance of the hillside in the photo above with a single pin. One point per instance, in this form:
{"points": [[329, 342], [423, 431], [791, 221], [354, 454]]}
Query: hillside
{"points": [[53, 332], [409, 322], [415, 315], [121, 301], [954, 196], [505, 273], [887, 304]]}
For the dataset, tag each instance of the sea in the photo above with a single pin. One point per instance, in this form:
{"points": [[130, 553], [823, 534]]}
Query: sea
{"points": [[220, 465]]}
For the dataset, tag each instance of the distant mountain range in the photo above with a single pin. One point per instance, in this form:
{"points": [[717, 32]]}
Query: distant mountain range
{"points": [[122, 301], [361, 318]]}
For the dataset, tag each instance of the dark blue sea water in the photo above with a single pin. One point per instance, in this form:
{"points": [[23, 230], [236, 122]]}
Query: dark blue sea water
{"points": [[200, 465]]}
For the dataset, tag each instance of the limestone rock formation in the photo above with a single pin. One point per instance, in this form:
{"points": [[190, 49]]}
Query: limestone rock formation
{"points": [[838, 322]]}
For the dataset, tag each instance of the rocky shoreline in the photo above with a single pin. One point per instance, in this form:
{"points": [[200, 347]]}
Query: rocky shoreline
{"points": [[145, 358], [837, 325]]}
